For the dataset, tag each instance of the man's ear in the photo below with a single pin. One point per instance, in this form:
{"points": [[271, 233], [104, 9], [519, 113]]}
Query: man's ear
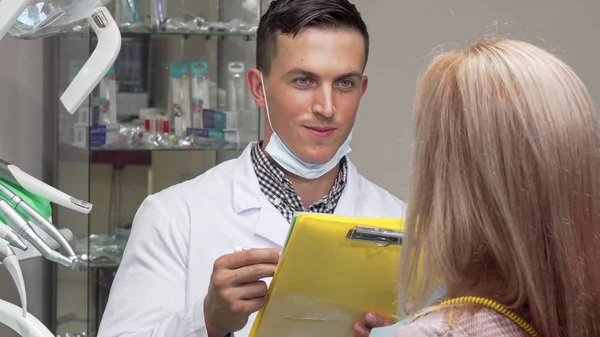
{"points": [[256, 87], [364, 84]]}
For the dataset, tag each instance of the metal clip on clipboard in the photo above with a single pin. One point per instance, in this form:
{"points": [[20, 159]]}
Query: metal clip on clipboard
{"points": [[380, 237]]}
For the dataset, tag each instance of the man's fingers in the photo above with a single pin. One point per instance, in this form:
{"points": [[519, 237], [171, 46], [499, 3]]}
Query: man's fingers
{"points": [[253, 290], [248, 257], [253, 305], [361, 330], [374, 320], [409, 308], [253, 273]]}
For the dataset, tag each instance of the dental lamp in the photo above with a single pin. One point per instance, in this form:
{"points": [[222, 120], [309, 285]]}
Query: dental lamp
{"points": [[29, 19], [26, 228]]}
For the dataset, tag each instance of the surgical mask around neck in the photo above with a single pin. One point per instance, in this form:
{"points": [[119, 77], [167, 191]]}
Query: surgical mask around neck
{"points": [[277, 149]]}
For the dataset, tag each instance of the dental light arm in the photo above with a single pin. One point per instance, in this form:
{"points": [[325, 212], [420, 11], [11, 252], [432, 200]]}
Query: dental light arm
{"points": [[9, 12], [103, 57], [105, 54]]}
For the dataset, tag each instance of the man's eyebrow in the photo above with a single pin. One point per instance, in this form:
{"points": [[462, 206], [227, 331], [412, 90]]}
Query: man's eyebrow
{"points": [[300, 71], [304, 72], [350, 74]]}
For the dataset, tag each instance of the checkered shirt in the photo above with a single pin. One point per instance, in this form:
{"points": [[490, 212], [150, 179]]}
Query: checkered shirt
{"points": [[280, 192]]}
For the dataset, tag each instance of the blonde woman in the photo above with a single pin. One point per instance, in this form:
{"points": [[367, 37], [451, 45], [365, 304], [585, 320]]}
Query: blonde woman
{"points": [[504, 210]]}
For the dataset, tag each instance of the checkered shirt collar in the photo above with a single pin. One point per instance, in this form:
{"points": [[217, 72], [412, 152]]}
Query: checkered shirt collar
{"points": [[280, 191]]}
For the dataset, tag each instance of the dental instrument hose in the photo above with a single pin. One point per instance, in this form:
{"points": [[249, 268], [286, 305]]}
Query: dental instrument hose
{"points": [[39, 220], [11, 263], [24, 229]]}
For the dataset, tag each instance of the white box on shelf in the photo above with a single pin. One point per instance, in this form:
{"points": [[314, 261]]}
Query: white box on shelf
{"points": [[94, 136], [130, 104], [232, 136], [103, 134], [80, 136], [232, 119]]}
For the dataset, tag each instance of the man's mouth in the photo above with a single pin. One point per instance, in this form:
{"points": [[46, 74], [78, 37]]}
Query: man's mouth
{"points": [[320, 131]]}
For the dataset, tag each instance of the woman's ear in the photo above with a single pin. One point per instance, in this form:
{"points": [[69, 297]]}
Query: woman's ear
{"points": [[256, 87]]}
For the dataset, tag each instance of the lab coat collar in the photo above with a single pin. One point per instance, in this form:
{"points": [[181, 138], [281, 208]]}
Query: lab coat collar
{"points": [[246, 190], [271, 224]]}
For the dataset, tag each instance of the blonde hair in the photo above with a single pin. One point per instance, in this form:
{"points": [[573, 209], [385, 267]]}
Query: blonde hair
{"points": [[505, 199]]}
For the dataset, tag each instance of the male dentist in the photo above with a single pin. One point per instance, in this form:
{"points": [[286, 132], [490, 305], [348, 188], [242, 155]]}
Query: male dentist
{"points": [[180, 275]]}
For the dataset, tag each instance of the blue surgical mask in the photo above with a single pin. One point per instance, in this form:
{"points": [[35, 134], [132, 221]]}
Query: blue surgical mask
{"points": [[290, 162]]}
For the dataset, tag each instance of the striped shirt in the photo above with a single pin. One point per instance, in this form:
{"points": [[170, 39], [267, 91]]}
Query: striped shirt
{"points": [[484, 323]]}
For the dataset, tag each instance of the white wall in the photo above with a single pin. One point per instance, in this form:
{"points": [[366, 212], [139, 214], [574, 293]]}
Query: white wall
{"points": [[403, 33], [26, 131]]}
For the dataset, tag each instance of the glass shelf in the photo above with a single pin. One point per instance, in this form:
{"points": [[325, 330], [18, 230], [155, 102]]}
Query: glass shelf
{"points": [[207, 34], [98, 264], [130, 156], [164, 149], [65, 148]]}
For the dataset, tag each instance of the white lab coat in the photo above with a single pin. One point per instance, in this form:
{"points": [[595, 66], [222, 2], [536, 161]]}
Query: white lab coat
{"points": [[179, 232]]}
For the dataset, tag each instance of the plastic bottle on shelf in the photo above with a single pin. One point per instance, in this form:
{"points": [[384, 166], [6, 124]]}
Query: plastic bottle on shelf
{"points": [[236, 93], [200, 92]]}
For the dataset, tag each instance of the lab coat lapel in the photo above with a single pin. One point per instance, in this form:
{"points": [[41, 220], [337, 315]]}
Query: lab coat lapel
{"points": [[271, 224], [246, 191], [350, 202], [247, 195]]}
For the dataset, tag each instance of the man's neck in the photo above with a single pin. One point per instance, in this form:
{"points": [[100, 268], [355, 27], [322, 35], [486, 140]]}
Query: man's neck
{"points": [[309, 190]]}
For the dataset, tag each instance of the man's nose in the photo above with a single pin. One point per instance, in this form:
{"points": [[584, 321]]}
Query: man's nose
{"points": [[324, 104]]}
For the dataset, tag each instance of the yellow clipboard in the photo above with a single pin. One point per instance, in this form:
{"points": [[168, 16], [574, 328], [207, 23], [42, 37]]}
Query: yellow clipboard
{"points": [[333, 269]]}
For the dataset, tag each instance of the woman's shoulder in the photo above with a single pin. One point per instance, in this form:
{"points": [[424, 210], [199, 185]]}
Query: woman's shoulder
{"points": [[433, 324], [484, 322]]}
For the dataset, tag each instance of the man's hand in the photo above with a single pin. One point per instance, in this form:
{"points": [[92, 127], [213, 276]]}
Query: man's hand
{"points": [[371, 320], [236, 291]]}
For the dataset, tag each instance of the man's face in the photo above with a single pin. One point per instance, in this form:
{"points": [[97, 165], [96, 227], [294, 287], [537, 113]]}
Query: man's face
{"points": [[314, 89]]}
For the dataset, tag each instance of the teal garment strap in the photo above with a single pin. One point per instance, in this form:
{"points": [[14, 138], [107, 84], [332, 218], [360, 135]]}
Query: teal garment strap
{"points": [[388, 331]]}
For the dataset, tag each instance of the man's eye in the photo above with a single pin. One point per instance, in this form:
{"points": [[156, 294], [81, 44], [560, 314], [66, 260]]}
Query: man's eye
{"points": [[303, 81], [346, 84]]}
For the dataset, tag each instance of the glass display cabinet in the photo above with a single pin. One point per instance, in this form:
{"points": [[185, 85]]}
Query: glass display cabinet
{"points": [[174, 105]]}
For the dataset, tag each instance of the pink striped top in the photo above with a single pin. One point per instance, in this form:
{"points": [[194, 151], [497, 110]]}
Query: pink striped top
{"points": [[484, 323]]}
